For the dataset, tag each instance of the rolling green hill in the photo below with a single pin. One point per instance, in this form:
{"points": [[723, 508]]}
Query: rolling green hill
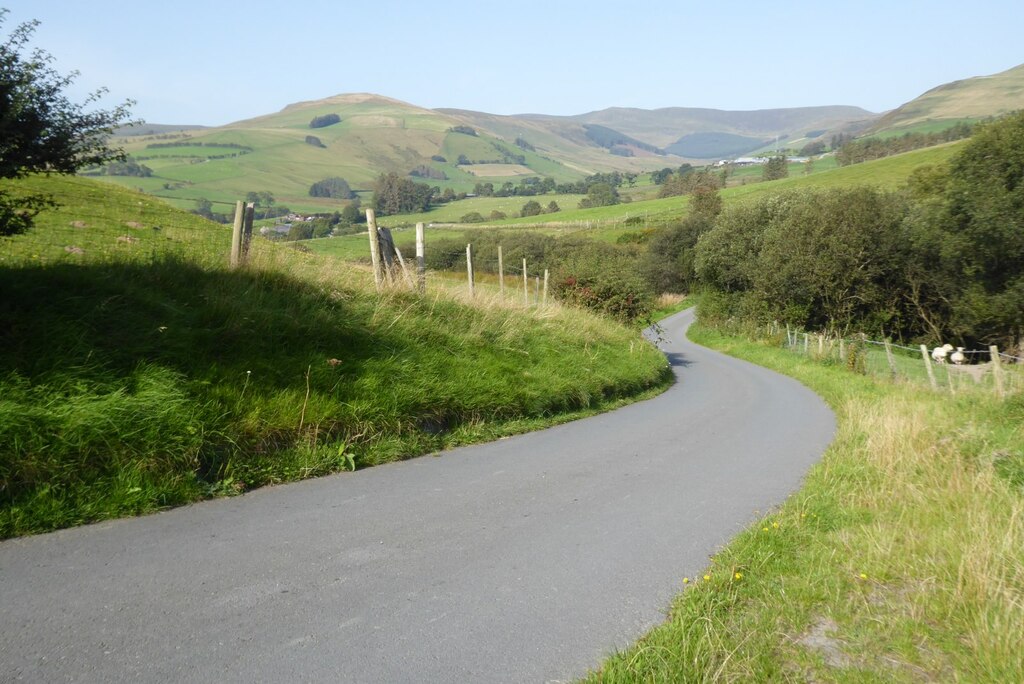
{"points": [[282, 154], [969, 99]]}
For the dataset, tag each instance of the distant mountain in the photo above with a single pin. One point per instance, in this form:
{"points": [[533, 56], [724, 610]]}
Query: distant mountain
{"points": [[971, 98], [358, 136], [664, 127], [696, 134]]}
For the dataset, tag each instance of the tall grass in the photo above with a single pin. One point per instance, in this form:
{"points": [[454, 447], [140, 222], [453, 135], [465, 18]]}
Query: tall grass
{"points": [[143, 374], [900, 559]]}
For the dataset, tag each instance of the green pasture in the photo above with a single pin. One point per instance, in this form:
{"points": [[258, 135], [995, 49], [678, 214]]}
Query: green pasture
{"points": [[930, 126]]}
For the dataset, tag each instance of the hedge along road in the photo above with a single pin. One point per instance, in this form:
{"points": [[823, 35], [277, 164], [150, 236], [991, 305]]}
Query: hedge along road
{"points": [[523, 560]]}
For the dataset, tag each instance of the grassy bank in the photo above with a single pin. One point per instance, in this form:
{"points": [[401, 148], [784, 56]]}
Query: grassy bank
{"points": [[900, 559], [138, 372]]}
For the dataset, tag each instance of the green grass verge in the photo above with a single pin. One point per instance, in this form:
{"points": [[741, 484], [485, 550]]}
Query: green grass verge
{"points": [[138, 372], [900, 560]]}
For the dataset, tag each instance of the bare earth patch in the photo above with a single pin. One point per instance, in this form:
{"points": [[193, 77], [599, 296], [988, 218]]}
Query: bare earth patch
{"points": [[496, 170], [817, 639]]}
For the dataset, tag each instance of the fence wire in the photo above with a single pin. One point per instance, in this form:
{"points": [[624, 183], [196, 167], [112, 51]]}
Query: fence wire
{"points": [[979, 371]]}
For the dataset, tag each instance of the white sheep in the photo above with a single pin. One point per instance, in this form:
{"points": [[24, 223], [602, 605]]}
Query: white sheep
{"points": [[939, 353], [958, 357]]}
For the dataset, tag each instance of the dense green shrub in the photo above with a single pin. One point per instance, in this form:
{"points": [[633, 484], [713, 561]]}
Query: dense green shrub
{"points": [[604, 279]]}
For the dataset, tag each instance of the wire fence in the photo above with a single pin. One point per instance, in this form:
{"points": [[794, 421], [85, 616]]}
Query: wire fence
{"points": [[943, 369]]}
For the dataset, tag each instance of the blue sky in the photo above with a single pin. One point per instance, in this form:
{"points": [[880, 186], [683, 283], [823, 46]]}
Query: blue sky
{"points": [[214, 62]]}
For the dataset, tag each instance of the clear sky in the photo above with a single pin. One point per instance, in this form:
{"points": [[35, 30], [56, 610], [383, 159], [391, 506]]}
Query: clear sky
{"points": [[214, 62]]}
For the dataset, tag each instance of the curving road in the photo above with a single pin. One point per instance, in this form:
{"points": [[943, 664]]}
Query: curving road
{"points": [[524, 560]]}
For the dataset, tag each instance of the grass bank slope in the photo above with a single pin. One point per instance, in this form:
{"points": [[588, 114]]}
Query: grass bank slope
{"points": [[138, 372], [900, 560]]}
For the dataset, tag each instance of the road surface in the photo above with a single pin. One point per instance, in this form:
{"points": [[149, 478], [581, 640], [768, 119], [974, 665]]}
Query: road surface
{"points": [[524, 560]]}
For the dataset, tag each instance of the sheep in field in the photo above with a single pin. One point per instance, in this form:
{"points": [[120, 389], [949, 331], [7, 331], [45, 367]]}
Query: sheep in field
{"points": [[939, 353], [958, 357]]}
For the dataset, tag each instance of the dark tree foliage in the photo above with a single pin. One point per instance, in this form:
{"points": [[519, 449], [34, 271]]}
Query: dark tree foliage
{"points": [[600, 195], [531, 208], [667, 265], [823, 260], [977, 223], [393, 194], [41, 130], [353, 213], [335, 188], [604, 278], [684, 182], [472, 217], [324, 121], [438, 158], [128, 167], [314, 141], [424, 171], [660, 176], [465, 130], [522, 144], [857, 151], [813, 148], [609, 138], [776, 167]]}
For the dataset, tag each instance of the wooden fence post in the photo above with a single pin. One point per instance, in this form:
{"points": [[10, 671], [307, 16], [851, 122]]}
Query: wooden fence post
{"points": [[997, 369], [526, 286], [469, 268], [236, 234], [928, 366], [421, 260], [371, 226], [250, 211], [401, 262], [890, 358], [805, 342], [545, 287], [536, 291], [501, 272]]}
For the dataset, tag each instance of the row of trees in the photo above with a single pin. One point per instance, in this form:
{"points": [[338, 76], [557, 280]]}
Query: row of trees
{"points": [[334, 188], [941, 260], [866, 149]]}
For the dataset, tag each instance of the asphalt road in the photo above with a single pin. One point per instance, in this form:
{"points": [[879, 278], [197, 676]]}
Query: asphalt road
{"points": [[524, 560]]}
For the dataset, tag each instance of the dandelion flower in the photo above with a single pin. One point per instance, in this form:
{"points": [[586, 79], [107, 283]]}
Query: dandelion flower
{"points": [[738, 576], [707, 577], [863, 576], [686, 580], [775, 525]]}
